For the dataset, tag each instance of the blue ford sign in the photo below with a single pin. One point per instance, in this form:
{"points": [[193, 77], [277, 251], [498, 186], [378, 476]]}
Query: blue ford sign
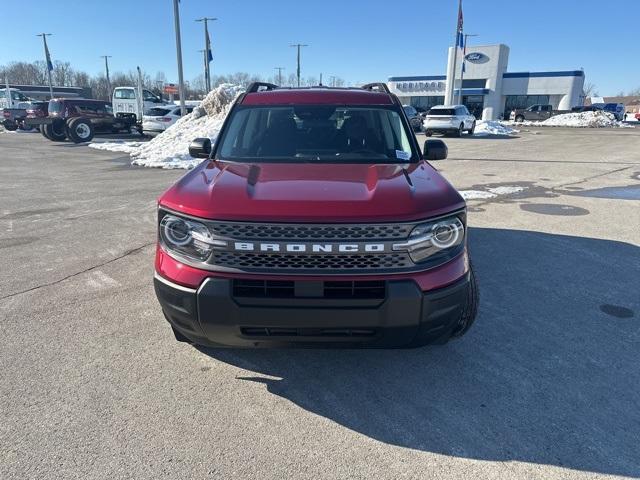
{"points": [[476, 57]]}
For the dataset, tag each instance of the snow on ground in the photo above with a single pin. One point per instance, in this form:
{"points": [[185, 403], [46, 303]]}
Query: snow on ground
{"points": [[598, 119], [170, 149], [489, 192], [491, 127]]}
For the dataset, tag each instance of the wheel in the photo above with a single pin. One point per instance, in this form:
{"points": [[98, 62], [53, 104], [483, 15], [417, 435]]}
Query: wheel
{"points": [[43, 131], [80, 130], [56, 131], [458, 133], [470, 310], [428, 133], [519, 119], [11, 127], [473, 128]]}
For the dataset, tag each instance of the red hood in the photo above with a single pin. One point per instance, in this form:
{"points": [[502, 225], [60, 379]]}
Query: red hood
{"points": [[305, 192]]}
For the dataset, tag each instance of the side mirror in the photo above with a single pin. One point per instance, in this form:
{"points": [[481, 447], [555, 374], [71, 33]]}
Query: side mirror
{"points": [[435, 149], [200, 148]]}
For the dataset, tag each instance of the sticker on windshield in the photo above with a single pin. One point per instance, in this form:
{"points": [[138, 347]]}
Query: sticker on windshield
{"points": [[402, 155]]}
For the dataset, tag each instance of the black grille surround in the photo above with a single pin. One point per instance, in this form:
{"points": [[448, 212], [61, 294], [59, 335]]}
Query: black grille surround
{"points": [[310, 232], [384, 259]]}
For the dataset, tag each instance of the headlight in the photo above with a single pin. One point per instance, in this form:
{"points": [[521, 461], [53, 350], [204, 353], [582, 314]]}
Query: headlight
{"points": [[429, 239], [187, 237]]}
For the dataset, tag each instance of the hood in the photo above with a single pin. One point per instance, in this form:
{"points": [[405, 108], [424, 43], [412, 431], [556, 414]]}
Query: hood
{"points": [[302, 192]]}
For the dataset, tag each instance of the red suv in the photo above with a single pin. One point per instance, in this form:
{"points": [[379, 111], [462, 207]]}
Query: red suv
{"points": [[315, 219]]}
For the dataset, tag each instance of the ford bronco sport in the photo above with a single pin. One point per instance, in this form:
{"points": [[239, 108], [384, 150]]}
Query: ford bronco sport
{"points": [[315, 219]]}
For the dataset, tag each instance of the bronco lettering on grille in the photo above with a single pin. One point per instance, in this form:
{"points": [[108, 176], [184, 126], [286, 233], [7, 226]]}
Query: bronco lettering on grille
{"points": [[310, 247]]}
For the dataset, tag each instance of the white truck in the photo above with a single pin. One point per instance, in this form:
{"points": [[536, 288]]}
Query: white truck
{"points": [[13, 108], [133, 101]]}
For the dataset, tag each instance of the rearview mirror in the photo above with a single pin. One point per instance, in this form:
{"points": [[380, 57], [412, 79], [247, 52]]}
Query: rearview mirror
{"points": [[435, 149], [200, 148]]}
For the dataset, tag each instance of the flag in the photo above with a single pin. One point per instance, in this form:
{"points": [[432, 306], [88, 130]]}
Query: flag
{"points": [[208, 41], [47, 55], [460, 26]]}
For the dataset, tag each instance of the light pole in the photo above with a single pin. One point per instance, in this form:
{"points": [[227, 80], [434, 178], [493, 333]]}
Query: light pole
{"points": [[464, 52], [298, 46], [106, 68], [176, 19], [47, 58], [279, 69], [207, 51]]}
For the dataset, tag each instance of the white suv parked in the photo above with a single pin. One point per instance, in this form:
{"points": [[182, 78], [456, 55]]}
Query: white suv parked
{"points": [[449, 119]]}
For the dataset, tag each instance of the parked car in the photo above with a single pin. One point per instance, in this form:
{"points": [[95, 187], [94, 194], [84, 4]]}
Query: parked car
{"points": [[13, 109], [315, 219], [78, 119], [158, 119], [617, 109], [415, 120], [38, 110], [535, 113], [445, 119]]}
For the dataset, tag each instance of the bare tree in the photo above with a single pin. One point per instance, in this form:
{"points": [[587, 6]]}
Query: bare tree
{"points": [[589, 90]]}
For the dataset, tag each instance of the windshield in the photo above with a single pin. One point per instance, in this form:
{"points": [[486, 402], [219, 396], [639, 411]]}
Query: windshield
{"points": [[442, 111], [55, 106], [157, 112], [315, 133]]}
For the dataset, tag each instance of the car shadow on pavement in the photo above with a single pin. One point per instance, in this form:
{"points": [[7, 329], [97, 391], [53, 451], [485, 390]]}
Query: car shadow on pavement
{"points": [[548, 374]]}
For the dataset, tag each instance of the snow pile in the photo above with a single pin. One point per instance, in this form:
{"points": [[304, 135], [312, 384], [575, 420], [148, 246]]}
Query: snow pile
{"points": [[490, 192], [170, 149], [490, 127], [597, 119]]}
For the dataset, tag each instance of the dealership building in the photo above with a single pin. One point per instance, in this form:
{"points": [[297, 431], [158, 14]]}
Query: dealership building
{"points": [[488, 90]]}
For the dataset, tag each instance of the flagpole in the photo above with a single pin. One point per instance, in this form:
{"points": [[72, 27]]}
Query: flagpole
{"points": [[207, 52], [464, 54], [47, 59], [455, 54]]}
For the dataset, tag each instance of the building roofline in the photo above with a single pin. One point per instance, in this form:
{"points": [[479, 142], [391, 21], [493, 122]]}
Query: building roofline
{"points": [[564, 73], [416, 78]]}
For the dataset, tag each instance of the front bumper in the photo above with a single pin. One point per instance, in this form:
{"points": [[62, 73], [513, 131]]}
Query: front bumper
{"points": [[404, 315]]}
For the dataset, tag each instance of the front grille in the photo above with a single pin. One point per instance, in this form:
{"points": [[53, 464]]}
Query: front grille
{"points": [[318, 232], [343, 289], [307, 332], [272, 261]]}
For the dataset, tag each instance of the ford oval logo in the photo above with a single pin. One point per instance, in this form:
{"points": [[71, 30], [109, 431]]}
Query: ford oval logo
{"points": [[476, 57]]}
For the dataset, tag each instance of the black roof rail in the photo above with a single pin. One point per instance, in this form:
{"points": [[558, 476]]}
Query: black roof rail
{"points": [[256, 86], [379, 86]]}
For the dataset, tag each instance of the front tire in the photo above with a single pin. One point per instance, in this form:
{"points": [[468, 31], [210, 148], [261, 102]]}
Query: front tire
{"points": [[470, 309], [55, 131], [460, 130], [80, 130], [519, 119], [473, 128], [428, 133]]}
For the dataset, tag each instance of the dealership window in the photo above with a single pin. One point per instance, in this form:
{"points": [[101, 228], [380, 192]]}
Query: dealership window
{"points": [[514, 102], [424, 103]]}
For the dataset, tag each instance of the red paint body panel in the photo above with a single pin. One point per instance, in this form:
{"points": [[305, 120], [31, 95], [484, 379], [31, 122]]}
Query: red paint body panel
{"points": [[320, 193], [317, 96], [427, 280]]}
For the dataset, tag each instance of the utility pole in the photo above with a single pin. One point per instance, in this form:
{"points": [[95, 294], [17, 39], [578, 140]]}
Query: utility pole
{"points": [[320, 79], [207, 51], [176, 19], [298, 46], [279, 69], [47, 58], [106, 68], [464, 52]]}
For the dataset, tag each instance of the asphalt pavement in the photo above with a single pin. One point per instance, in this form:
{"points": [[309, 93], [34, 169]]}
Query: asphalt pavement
{"points": [[546, 385]]}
